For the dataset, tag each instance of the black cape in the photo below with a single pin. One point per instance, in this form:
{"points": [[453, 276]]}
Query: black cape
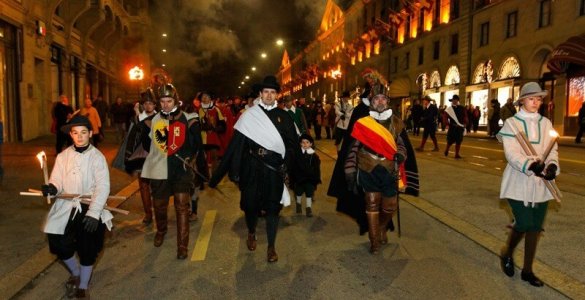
{"points": [[352, 204]]}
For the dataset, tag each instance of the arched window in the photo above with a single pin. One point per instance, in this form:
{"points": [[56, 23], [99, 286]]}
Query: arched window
{"points": [[510, 68], [422, 81], [435, 79], [452, 76], [483, 72]]}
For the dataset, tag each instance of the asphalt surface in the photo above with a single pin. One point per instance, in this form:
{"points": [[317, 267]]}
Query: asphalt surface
{"points": [[448, 249]]}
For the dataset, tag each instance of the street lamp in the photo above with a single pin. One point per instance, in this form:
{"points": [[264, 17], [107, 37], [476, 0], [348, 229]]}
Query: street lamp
{"points": [[253, 69], [263, 55], [279, 42], [136, 74], [164, 35]]}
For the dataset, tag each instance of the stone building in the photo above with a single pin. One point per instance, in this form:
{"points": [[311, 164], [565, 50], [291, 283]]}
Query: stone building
{"points": [[480, 50], [79, 48]]}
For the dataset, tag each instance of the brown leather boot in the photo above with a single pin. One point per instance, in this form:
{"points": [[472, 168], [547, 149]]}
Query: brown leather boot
{"points": [[388, 208], [251, 241], [71, 286], [160, 213], [271, 255], [372, 213], [182, 210], [144, 186]]}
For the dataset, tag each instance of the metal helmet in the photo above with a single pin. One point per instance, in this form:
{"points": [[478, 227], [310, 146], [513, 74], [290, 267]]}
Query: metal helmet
{"points": [[147, 96], [167, 90]]}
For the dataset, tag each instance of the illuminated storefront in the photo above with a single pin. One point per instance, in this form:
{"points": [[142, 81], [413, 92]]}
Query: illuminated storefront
{"points": [[478, 93]]}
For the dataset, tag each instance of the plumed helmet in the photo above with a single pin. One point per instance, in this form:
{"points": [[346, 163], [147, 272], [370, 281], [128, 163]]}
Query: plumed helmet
{"points": [[167, 91]]}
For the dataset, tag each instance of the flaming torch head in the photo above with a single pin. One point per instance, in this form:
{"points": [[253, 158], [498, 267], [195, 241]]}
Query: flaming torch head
{"points": [[553, 134], [42, 157]]}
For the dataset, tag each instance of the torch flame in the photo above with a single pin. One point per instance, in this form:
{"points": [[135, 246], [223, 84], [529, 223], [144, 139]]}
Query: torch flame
{"points": [[553, 133], [42, 157]]}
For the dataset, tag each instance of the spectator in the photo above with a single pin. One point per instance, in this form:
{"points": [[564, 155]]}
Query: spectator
{"points": [[508, 110], [318, 118], [62, 112], [476, 117], [119, 115], [494, 119], [94, 118], [102, 108], [416, 112], [581, 118]]}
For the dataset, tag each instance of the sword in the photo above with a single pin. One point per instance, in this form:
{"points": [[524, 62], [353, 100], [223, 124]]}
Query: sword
{"points": [[205, 178], [398, 198]]}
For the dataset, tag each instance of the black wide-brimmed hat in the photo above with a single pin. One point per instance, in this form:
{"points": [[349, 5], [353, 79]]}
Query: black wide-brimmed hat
{"points": [[77, 120], [307, 137], [270, 82], [455, 97]]}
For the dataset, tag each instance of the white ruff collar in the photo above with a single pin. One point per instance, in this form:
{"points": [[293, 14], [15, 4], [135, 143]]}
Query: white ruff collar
{"points": [[381, 116], [267, 107], [308, 151], [292, 108], [207, 106], [528, 115]]}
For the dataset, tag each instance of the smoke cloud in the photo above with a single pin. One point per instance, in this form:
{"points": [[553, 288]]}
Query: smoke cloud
{"points": [[212, 44]]}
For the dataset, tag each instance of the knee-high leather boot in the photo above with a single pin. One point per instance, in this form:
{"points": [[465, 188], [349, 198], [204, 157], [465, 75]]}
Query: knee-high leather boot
{"points": [[457, 148], [144, 186], [182, 211], [388, 208], [160, 214], [372, 213]]}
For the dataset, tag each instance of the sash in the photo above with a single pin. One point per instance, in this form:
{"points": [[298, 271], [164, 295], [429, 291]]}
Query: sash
{"points": [[378, 138], [449, 110], [255, 125]]}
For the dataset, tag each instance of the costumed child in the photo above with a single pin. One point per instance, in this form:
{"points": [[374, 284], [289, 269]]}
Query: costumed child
{"points": [[525, 178], [307, 174], [73, 227]]}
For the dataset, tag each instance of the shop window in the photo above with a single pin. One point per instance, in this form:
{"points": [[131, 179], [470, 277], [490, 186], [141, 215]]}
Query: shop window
{"points": [[484, 34], [435, 80], [452, 76], [576, 95], [510, 69], [544, 13], [407, 61], [511, 24], [420, 55], [436, 49], [454, 43]]}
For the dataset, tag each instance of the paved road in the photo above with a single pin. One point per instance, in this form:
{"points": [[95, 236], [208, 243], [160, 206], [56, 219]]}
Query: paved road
{"points": [[450, 236]]}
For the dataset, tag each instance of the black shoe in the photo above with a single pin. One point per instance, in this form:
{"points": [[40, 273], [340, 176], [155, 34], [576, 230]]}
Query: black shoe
{"points": [[532, 279], [309, 212], [507, 264]]}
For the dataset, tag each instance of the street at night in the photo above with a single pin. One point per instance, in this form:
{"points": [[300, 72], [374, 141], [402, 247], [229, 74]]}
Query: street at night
{"points": [[302, 149]]}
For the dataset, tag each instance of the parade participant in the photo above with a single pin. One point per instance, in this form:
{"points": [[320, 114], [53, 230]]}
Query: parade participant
{"points": [[307, 174], [173, 141], [428, 121], [371, 165], [416, 113], [263, 148], [457, 120], [73, 227], [523, 180], [343, 110], [212, 124], [62, 112], [135, 154], [351, 202], [581, 121], [297, 115]]}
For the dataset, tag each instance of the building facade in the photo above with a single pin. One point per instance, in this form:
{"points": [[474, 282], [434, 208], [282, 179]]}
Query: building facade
{"points": [[79, 48], [480, 50]]}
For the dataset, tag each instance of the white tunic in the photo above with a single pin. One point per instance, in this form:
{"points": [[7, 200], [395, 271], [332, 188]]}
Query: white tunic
{"points": [[79, 173], [519, 183]]}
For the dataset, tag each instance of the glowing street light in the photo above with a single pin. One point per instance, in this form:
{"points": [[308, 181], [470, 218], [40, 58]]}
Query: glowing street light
{"points": [[279, 42], [164, 35], [253, 69], [263, 55], [242, 82], [164, 50], [164, 65], [247, 77]]}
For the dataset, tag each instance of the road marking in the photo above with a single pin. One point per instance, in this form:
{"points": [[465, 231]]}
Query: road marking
{"points": [[204, 236]]}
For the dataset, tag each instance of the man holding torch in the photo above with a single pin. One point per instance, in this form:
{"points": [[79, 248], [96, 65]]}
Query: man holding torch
{"points": [[73, 227], [531, 151]]}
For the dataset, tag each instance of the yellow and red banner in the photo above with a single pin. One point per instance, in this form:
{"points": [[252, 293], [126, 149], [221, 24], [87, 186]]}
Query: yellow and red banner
{"points": [[379, 139]]}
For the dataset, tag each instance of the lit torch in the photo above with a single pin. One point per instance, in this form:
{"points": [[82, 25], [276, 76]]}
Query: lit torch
{"points": [[555, 137], [42, 157]]}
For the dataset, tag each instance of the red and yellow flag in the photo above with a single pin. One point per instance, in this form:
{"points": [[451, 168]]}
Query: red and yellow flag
{"points": [[378, 138]]}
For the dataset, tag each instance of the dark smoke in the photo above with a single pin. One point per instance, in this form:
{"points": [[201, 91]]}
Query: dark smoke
{"points": [[212, 44]]}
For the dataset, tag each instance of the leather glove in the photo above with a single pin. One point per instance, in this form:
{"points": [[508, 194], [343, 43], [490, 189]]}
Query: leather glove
{"points": [[537, 167], [90, 224], [49, 189], [551, 172], [399, 157]]}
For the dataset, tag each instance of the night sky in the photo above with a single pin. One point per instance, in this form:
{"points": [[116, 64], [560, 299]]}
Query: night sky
{"points": [[212, 44]]}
